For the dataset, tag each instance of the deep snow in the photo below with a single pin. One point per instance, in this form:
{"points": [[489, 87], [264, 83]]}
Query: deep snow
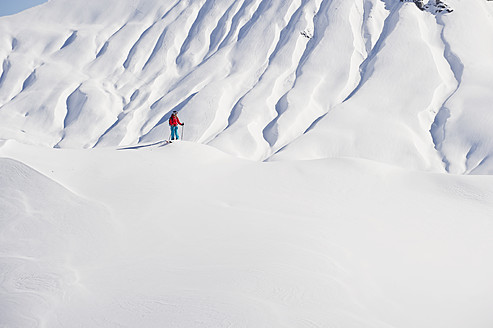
{"points": [[184, 236], [335, 171], [259, 79]]}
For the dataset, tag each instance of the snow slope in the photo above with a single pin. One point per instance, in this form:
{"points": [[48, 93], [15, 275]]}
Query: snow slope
{"points": [[297, 79], [196, 238], [44, 233], [312, 188]]}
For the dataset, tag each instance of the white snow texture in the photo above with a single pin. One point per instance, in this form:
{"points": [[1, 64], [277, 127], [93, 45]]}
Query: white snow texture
{"points": [[335, 169], [260, 79]]}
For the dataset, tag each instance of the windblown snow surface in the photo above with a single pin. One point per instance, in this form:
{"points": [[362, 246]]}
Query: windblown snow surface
{"points": [[336, 168]]}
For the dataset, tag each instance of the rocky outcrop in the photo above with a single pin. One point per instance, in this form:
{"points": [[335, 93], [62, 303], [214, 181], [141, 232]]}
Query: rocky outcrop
{"points": [[432, 6]]}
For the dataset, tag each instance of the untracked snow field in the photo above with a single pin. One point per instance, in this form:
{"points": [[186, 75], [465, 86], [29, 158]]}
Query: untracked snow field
{"points": [[184, 235], [337, 170]]}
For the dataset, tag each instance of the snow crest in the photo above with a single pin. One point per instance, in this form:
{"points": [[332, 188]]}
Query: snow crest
{"points": [[48, 237], [263, 80]]}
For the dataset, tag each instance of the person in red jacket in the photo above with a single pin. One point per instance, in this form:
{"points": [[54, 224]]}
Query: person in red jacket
{"points": [[173, 124]]}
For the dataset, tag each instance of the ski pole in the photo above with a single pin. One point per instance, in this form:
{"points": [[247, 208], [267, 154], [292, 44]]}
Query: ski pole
{"points": [[182, 131]]}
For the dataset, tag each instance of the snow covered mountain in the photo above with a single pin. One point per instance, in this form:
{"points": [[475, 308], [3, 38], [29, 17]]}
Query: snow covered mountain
{"points": [[312, 188], [260, 79]]}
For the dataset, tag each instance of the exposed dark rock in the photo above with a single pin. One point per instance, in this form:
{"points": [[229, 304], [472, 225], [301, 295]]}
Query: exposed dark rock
{"points": [[432, 6]]}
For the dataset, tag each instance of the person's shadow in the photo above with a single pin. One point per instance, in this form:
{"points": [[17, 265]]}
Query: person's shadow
{"points": [[161, 143]]}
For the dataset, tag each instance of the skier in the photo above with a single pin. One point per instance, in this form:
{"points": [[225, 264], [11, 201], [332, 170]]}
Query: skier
{"points": [[173, 124]]}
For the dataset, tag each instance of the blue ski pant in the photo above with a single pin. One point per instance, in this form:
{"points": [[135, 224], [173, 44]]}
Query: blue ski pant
{"points": [[174, 132]]}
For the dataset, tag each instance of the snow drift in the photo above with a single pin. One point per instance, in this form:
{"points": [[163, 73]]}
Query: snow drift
{"points": [[47, 235], [311, 188], [195, 238], [308, 79]]}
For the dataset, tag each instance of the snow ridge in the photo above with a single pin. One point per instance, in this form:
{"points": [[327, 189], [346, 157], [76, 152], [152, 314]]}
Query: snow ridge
{"points": [[37, 273], [249, 77], [438, 130]]}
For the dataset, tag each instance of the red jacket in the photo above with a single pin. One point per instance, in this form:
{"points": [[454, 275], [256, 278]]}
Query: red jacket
{"points": [[174, 120]]}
